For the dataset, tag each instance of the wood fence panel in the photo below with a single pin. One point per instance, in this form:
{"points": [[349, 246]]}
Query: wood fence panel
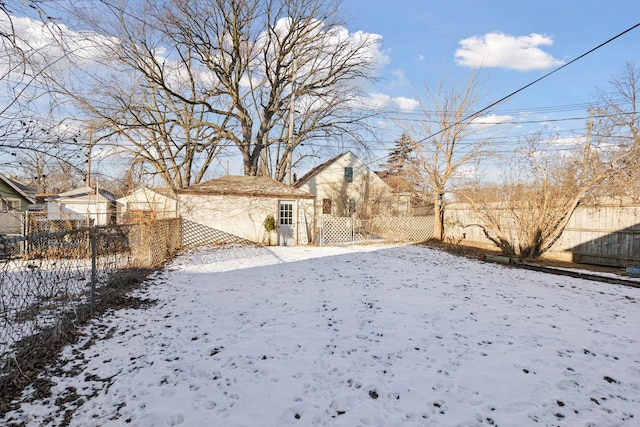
{"points": [[606, 234]]}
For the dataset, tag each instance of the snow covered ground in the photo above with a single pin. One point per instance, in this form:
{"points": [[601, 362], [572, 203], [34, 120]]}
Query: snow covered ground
{"points": [[353, 336]]}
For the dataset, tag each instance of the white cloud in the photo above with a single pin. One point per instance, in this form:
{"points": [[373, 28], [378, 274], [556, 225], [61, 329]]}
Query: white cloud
{"points": [[46, 39], [566, 142], [324, 47], [399, 80], [501, 50], [53, 48], [406, 104], [380, 101], [420, 58], [466, 172], [377, 100], [490, 120]]}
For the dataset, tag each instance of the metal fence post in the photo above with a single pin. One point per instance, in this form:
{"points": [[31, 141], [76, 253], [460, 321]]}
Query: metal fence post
{"points": [[25, 232]]}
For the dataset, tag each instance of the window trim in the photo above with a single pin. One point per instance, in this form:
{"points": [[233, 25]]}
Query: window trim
{"points": [[5, 204], [285, 213], [327, 206], [348, 174]]}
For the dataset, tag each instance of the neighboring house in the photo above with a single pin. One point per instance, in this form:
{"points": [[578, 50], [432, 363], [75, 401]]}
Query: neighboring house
{"points": [[239, 205], [83, 206], [407, 202], [147, 204], [346, 186], [15, 199]]}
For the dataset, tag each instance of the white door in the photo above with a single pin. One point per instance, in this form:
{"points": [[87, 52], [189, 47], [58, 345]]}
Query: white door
{"points": [[285, 223]]}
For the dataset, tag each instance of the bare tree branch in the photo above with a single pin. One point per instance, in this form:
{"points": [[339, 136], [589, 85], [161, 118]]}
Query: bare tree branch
{"points": [[443, 154]]}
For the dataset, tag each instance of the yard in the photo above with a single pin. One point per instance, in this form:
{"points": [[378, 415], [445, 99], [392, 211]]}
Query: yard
{"points": [[375, 335]]}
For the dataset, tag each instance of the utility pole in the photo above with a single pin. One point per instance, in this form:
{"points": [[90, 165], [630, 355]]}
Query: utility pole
{"points": [[291, 111], [587, 148], [89, 148]]}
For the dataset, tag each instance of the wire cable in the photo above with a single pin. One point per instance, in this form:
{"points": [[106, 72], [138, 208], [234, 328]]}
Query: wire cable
{"points": [[504, 98]]}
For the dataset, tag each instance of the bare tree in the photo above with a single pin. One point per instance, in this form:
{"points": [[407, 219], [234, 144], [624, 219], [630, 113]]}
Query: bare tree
{"points": [[30, 134], [197, 77], [442, 149], [46, 174], [275, 61], [618, 117], [526, 213]]}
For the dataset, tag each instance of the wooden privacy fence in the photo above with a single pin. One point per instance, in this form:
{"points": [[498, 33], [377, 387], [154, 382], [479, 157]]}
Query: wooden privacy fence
{"points": [[342, 230], [604, 234]]}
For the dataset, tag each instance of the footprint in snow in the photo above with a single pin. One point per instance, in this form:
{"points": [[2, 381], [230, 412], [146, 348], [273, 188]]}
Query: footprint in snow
{"points": [[175, 420]]}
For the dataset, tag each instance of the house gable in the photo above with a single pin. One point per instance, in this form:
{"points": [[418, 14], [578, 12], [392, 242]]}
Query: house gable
{"points": [[85, 194], [13, 190], [344, 180], [145, 203], [84, 203]]}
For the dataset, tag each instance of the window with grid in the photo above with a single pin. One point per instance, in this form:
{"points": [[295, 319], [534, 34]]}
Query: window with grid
{"points": [[286, 214]]}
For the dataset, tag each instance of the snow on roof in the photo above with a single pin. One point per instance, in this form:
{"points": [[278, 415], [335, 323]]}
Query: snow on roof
{"points": [[255, 186]]}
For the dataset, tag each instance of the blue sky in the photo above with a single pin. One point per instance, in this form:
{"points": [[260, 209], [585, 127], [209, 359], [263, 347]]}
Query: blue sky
{"points": [[421, 39], [516, 42]]}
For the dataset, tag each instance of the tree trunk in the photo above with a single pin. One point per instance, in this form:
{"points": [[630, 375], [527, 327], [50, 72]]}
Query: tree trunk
{"points": [[438, 223]]}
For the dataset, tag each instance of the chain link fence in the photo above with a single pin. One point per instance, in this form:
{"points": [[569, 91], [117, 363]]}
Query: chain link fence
{"points": [[51, 281], [12, 223]]}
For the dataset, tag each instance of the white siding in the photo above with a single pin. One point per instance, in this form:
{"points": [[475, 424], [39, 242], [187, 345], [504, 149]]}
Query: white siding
{"points": [[147, 200], [80, 210], [243, 216], [367, 188]]}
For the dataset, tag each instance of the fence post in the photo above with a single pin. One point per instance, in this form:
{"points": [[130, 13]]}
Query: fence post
{"points": [[94, 273], [25, 232], [353, 230]]}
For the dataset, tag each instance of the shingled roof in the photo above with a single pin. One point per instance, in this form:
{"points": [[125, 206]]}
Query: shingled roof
{"points": [[26, 192], [396, 182], [254, 186], [313, 172], [82, 193]]}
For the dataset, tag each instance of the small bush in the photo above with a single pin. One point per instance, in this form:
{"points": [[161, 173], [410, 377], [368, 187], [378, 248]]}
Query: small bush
{"points": [[269, 223]]}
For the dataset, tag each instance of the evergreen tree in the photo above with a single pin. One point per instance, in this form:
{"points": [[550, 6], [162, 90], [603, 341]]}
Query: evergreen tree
{"points": [[400, 154]]}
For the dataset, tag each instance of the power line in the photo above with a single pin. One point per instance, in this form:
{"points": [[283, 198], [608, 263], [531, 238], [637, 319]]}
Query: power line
{"points": [[504, 98], [535, 81]]}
